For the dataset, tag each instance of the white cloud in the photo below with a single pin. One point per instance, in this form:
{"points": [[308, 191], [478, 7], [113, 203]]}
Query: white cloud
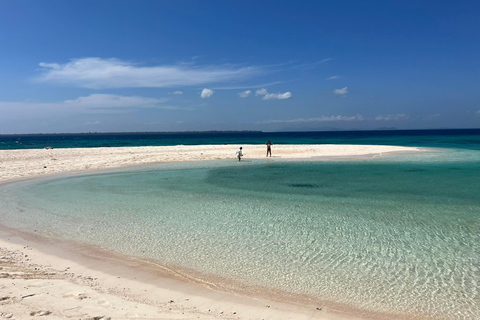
{"points": [[390, 117], [206, 93], [269, 96], [244, 94], [178, 92], [261, 92], [320, 119], [333, 78], [341, 92], [279, 96], [98, 73]]}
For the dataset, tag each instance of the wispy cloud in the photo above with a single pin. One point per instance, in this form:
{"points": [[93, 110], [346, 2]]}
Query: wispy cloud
{"points": [[342, 118], [206, 93], [178, 92], [333, 77], [392, 117], [95, 103], [113, 101], [433, 116], [278, 96], [98, 73], [341, 92], [323, 61], [319, 119], [248, 87], [244, 94], [93, 123], [305, 66]]}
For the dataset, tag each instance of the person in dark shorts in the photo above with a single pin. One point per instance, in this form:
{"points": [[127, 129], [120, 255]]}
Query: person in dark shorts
{"points": [[269, 148]]}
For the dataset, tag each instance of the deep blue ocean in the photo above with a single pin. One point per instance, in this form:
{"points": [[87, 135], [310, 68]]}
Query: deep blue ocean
{"points": [[451, 138]]}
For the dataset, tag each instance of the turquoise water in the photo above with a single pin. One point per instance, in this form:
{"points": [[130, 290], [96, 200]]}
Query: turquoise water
{"points": [[439, 138], [391, 234]]}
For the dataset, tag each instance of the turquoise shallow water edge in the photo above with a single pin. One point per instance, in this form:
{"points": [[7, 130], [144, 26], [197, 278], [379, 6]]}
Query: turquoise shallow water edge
{"points": [[439, 138], [390, 234]]}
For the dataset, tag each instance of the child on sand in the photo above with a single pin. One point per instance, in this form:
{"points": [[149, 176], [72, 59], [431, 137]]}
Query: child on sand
{"points": [[239, 154]]}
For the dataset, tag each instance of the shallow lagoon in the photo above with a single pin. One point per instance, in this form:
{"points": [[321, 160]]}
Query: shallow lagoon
{"points": [[391, 234]]}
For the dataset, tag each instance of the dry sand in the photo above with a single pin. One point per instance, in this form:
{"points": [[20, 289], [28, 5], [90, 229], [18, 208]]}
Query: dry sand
{"points": [[45, 278]]}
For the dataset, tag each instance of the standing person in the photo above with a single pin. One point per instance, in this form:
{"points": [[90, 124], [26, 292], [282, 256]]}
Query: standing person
{"points": [[239, 154], [269, 148]]}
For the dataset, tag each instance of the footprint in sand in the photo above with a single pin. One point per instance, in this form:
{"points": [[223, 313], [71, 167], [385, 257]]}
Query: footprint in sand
{"points": [[103, 303], [5, 300], [9, 300], [79, 296], [131, 315], [40, 313]]}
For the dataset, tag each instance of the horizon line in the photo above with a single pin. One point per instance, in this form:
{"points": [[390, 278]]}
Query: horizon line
{"points": [[227, 131]]}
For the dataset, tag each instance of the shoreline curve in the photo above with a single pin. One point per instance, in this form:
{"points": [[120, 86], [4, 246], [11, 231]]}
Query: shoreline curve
{"points": [[28, 164]]}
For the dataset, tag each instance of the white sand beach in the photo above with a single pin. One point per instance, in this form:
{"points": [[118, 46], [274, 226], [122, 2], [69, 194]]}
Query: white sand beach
{"points": [[45, 278], [25, 164]]}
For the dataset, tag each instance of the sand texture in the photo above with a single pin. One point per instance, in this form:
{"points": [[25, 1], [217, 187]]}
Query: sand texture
{"points": [[45, 279], [36, 284]]}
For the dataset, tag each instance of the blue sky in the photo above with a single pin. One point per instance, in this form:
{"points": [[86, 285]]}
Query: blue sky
{"points": [[104, 66]]}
